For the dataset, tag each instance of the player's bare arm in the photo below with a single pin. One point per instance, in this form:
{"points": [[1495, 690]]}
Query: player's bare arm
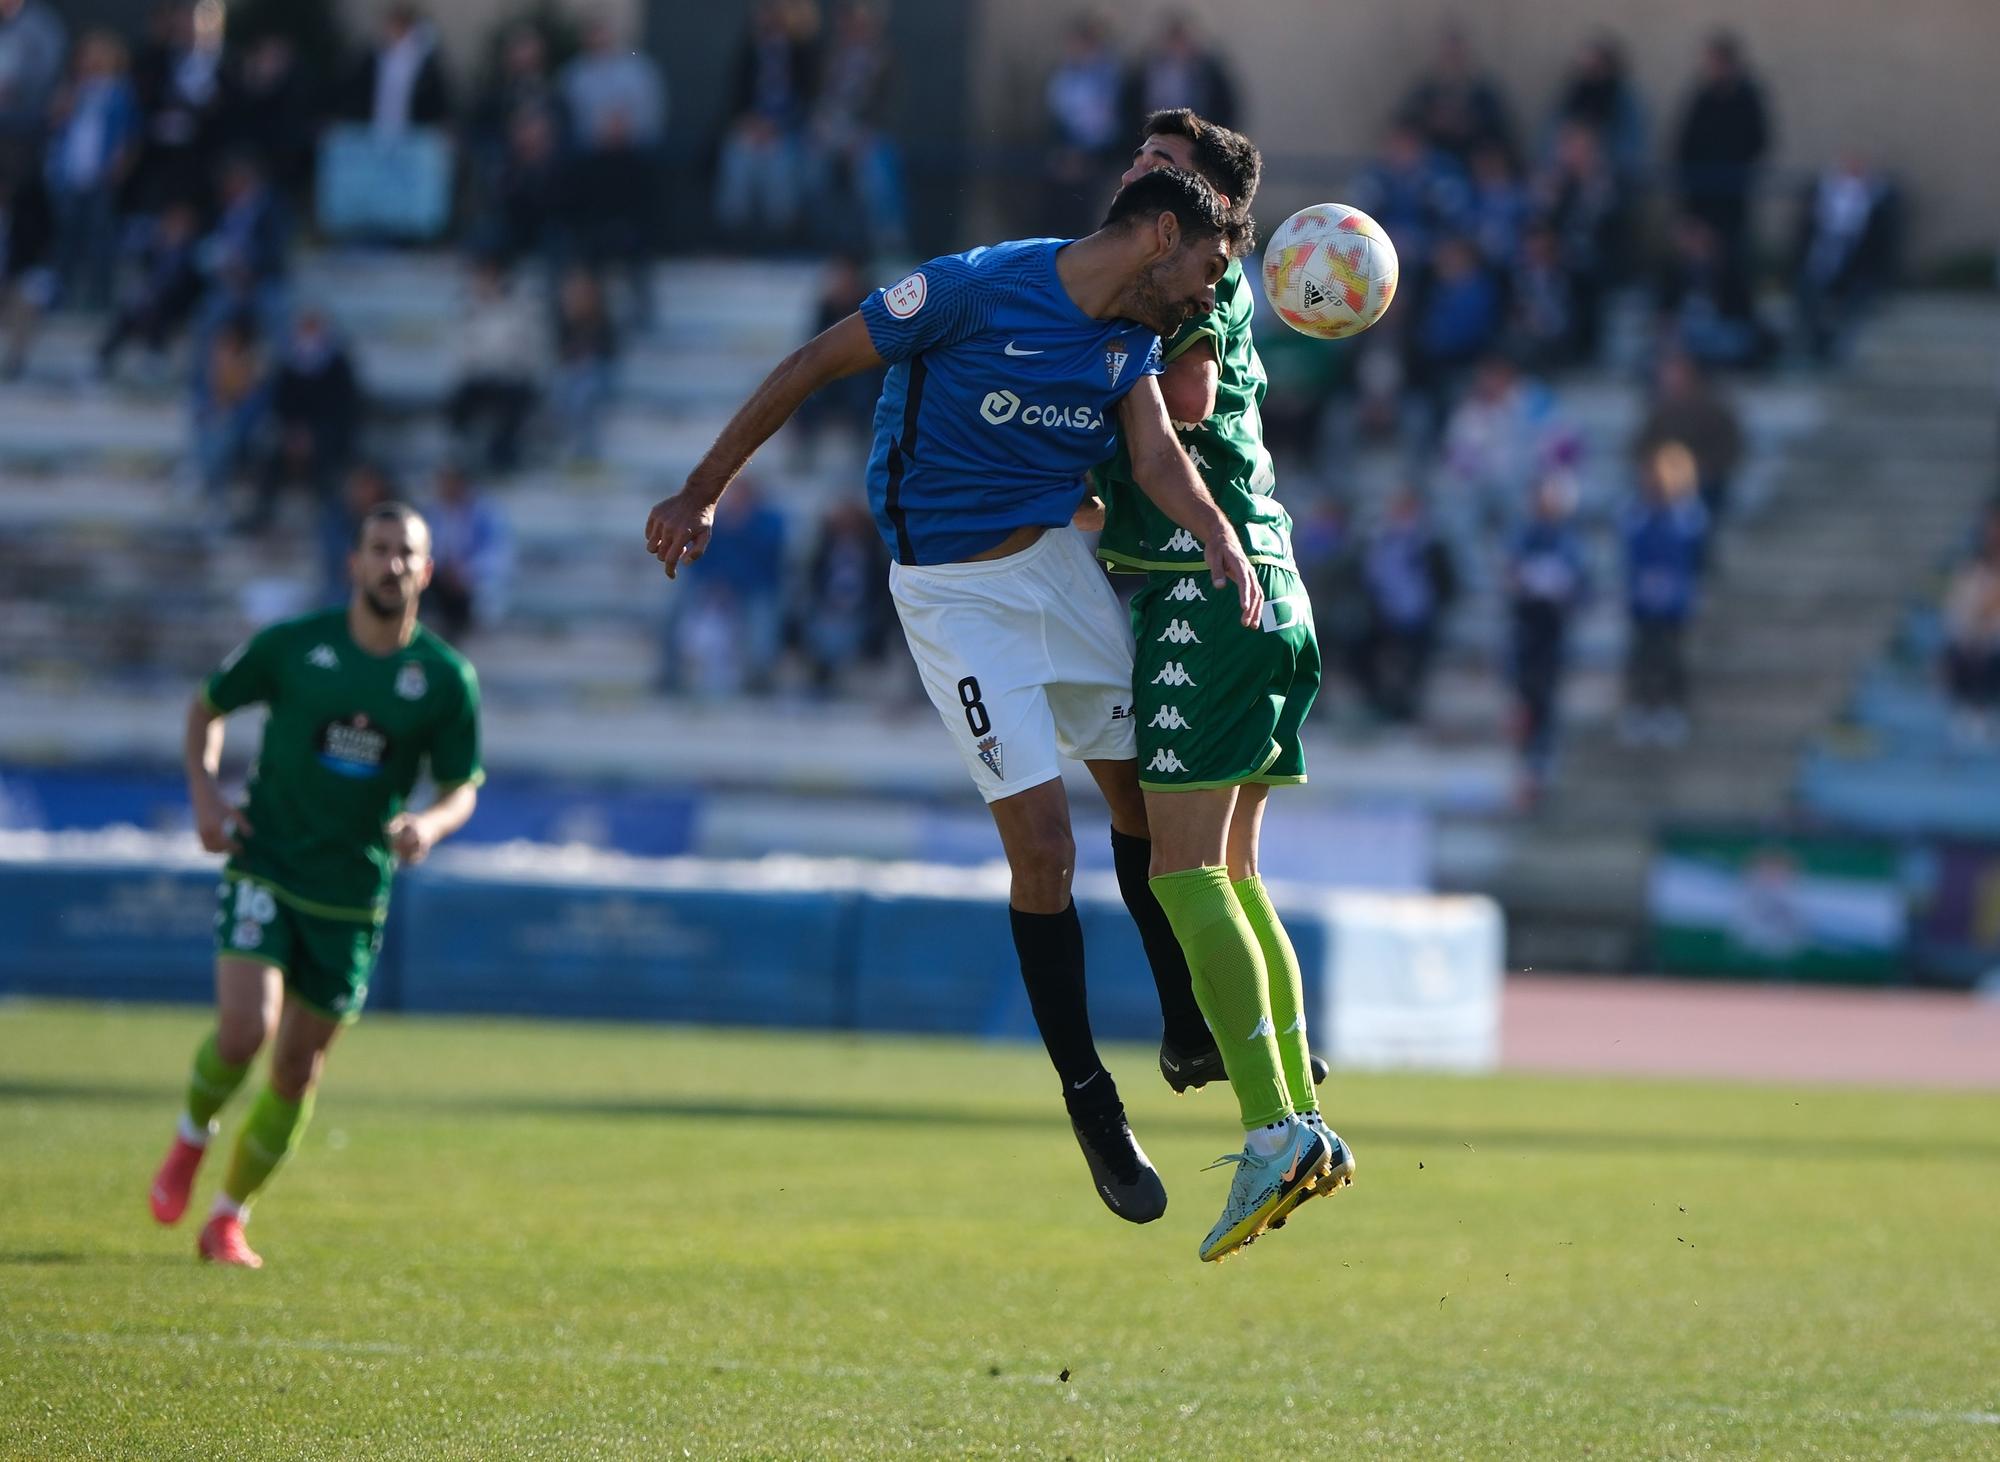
{"points": [[1189, 383], [215, 820], [414, 834], [678, 528], [1165, 475]]}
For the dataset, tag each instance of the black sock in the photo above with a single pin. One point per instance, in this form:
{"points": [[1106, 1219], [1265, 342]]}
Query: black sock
{"points": [[1186, 1028], [1051, 951]]}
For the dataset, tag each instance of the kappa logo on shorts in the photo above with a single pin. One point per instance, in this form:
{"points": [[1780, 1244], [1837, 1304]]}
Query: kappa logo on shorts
{"points": [[989, 752], [1182, 542], [1178, 632], [1173, 673], [1164, 760], [1185, 590], [1168, 718]]}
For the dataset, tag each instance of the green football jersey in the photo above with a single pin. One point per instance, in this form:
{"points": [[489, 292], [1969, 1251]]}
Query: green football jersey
{"points": [[1228, 450], [346, 735]]}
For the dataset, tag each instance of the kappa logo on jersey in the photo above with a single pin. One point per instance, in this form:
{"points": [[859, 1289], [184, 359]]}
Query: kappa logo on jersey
{"points": [[355, 747], [904, 298], [1178, 632], [989, 752], [1115, 356], [410, 681], [1168, 718], [323, 656], [1186, 590], [1164, 760], [1182, 542], [1194, 453], [1173, 673]]}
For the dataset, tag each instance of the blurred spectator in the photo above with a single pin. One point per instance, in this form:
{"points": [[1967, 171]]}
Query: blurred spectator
{"points": [[246, 254], [367, 488], [1457, 107], [95, 139], [316, 410], [472, 549], [617, 106], [267, 112], [1177, 72], [757, 180], [1547, 581], [1844, 252], [26, 286], [528, 199], [520, 83], [1506, 436], [1542, 331], [851, 149], [1972, 637], [586, 352], [725, 627], [1724, 133], [502, 353], [178, 77], [1414, 191], [1329, 552], [231, 396], [1411, 582], [1583, 201], [844, 613], [1704, 303], [32, 43], [400, 83], [1498, 207], [1666, 541], [1454, 321], [166, 287], [849, 403], [1597, 92], [1686, 408], [1086, 129]]}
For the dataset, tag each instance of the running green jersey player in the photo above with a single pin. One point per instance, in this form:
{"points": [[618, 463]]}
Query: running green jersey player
{"points": [[359, 700], [1218, 707]]}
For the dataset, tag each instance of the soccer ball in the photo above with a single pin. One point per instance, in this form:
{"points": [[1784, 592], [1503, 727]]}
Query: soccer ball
{"points": [[1330, 271]]}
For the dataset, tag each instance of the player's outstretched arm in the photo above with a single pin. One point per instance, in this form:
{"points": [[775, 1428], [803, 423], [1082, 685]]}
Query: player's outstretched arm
{"points": [[678, 528], [414, 834], [1165, 475], [215, 821]]}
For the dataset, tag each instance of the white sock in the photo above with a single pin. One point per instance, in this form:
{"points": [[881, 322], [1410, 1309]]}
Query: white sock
{"points": [[1265, 1141], [194, 1135], [227, 1207]]}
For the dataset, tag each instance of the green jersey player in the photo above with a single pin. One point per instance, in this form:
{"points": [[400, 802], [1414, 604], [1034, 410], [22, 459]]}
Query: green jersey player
{"points": [[359, 699], [1218, 708]]}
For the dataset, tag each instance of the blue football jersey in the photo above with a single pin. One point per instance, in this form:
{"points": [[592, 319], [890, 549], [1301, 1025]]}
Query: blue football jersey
{"points": [[1001, 395]]}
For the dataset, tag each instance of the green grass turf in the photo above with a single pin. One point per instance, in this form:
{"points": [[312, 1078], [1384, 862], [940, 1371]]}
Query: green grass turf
{"points": [[509, 1239]]}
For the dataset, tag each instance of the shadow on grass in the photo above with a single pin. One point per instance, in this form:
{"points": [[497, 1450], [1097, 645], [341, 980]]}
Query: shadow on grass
{"points": [[1207, 1123]]}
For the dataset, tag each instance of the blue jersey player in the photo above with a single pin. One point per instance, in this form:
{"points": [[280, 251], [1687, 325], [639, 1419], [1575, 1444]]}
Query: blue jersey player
{"points": [[1013, 371]]}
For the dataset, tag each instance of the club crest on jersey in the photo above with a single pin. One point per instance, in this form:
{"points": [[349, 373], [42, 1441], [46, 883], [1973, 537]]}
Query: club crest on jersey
{"points": [[905, 297], [989, 752], [410, 681], [323, 657], [1115, 356]]}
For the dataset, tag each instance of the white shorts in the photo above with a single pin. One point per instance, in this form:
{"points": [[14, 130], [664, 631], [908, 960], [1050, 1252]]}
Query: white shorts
{"points": [[1024, 657]]}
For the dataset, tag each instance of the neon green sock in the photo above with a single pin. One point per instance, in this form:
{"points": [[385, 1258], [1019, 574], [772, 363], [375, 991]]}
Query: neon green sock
{"points": [[212, 1082], [1288, 991], [269, 1134], [1229, 985]]}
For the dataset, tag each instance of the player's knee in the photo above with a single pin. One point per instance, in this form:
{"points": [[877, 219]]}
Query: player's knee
{"points": [[1042, 864]]}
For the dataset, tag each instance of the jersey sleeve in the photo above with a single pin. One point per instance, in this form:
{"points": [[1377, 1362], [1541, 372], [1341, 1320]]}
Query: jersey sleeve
{"points": [[247, 678], [942, 301], [454, 749]]}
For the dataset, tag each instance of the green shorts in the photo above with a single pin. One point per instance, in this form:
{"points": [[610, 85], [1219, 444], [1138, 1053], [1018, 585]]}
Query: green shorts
{"points": [[326, 962], [1216, 704]]}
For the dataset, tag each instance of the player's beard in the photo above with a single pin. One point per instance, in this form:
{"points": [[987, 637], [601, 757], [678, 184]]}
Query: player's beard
{"points": [[1151, 307], [387, 608]]}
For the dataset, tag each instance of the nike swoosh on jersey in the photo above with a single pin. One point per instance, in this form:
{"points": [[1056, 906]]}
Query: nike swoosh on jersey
{"points": [[1010, 350]]}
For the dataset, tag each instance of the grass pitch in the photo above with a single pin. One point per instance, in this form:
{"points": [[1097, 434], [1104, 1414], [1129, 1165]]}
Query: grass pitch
{"points": [[506, 1239]]}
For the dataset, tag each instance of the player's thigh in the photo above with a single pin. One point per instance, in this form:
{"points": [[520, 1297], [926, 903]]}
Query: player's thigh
{"points": [[1089, 640], [248, 993], [1190, 829], [980, 656], [254, 947], [1118, 781], [333, 967], [298, 1056], [1034, 828]]}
